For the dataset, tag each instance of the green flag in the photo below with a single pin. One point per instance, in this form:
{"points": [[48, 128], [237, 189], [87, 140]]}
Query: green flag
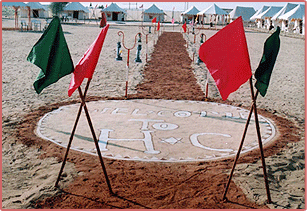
{"points": [[51, 54], [265, 68]]}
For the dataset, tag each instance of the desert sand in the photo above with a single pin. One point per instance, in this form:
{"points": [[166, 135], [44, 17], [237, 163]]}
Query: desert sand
{"points": [[29, 173]]}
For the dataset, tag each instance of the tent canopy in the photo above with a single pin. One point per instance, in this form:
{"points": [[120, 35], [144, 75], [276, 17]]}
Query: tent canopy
{"points": [[245, 12], [153, 10], [297, 13], [263, 9], [13, 4], [75, 6], [113, 8], [269, 13], [213, 10], [284, 10], [35, 6], [192, 11]]}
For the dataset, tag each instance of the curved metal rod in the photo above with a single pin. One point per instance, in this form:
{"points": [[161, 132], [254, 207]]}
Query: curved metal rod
{"points": [[123, 39]]}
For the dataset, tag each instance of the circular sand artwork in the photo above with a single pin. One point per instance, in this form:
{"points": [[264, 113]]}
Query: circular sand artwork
{"points": [[156, 130]]}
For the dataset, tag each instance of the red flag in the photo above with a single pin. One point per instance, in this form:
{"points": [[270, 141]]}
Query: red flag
{"points": [[158, 27], [87, 64], [154, 20], [226, 56], [184, 26]]}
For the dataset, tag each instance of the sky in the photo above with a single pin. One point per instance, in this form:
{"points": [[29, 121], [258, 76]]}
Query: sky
{"points": [[182, 6]]}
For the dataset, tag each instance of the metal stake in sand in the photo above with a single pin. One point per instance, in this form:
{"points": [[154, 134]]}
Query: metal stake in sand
{"points": [[82, 97], [123, 41], [253, 108]]}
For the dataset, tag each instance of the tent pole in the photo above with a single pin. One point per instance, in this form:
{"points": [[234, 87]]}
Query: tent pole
{"points": [[240, 148], [72, 136], [260, 144]]}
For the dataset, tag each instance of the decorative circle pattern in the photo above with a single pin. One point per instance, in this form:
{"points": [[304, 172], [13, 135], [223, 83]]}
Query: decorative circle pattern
{"points": [[156, 130]]}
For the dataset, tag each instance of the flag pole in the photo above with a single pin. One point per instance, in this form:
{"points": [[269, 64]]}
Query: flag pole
{"points": [[72, 135], [82, 97], [240, 148], [95, 140], [260, 143], [253, 108]]}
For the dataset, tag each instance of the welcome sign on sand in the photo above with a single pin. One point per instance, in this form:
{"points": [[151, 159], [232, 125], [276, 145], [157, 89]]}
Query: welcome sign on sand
{"points": [[156, 130]]}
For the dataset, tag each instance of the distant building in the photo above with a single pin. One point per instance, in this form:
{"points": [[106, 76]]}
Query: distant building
{"points": [[114, 13], [76, 10], [153, 12]]}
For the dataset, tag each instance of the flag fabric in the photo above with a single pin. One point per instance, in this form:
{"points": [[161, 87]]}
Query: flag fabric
{"points": [[226, 56], [158, 27], [266, 65], [87, 64], [51, 55], [154, 20], [184, 26], [141, 6], [173, 21]]}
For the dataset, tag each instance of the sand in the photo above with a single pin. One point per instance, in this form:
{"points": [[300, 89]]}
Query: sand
{"points": [[29, 173]]}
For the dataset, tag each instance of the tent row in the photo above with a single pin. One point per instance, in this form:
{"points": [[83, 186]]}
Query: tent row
{"points": [[217, 14], [290, 17], [74, 10]]}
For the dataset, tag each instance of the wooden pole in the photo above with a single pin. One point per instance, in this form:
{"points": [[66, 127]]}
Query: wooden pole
{"points": [[95, 140], [240, 148], [260, 144], [253, 108], [72, 136], [82, 97]]}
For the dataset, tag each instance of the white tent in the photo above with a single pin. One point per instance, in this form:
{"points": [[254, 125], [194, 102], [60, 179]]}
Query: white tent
{"points": [[212, 11], [38, 10], [296, 15], [267, 16], [284, 10], [278, 22], [245, 12], [114, 12], [76, 10], [154, 12], [189, 14]]}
